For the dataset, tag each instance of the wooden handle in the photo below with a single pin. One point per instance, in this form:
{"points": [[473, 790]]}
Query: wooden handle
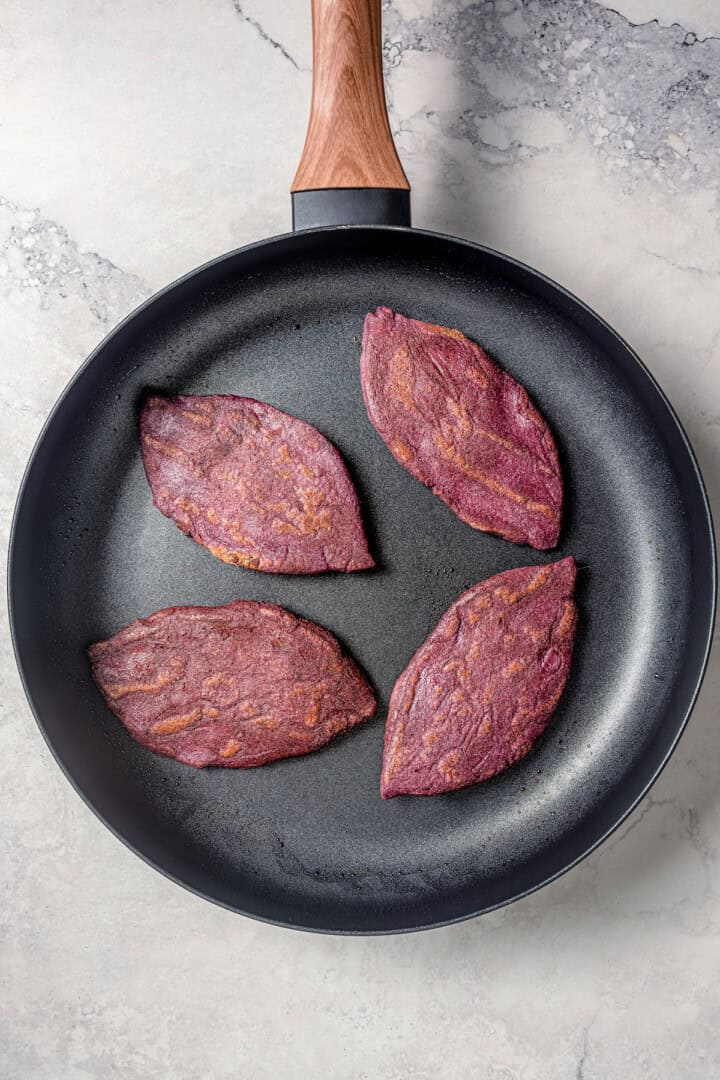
{"points": [[348, 142]]}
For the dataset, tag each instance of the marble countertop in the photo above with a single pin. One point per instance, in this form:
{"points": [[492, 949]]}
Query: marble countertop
{"points": [[141, 137]]}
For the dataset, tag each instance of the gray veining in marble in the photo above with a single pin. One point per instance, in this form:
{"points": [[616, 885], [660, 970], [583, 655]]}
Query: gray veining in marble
{"points": [[38, 254], [138, 139], [647, 97], [257, 25]]}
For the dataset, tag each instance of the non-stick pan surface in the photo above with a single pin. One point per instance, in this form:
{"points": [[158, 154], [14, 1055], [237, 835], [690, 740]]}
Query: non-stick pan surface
{"points": [[308, 842]]}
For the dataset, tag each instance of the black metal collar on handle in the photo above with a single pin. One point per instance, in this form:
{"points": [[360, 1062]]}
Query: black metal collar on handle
{"points": [[350, 206]]}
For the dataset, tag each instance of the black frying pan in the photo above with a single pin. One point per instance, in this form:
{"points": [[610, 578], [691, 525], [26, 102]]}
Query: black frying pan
{"points": [[308, 842]]}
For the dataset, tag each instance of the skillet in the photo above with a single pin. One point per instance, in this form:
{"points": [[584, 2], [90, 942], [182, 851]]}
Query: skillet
{"points": [[308, 842]]}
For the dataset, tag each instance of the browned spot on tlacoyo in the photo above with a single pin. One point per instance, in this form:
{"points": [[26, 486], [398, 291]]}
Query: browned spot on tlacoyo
{"points": [[488, 689], [307, 521], [167, 450], [444, 331], [450, 628], [313, 715], [247, 710], [485, 726], [567, 621], [173, 724], [334, 726], [537, 582], [292, 461], [461, 416], [401, 451], [462, 426], [238, 685], [235, 558], [120, 690], [258, 488], [215, 680], [402, 376], [270, 723], [196, 417], [447, 764], [479, 377], [449, 451]]}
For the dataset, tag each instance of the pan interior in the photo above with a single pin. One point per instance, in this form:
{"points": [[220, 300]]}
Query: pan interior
{"points": [[309, 841]]}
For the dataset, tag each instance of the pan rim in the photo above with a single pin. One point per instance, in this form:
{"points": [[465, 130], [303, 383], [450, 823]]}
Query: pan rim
{"points": [[572, 301]]}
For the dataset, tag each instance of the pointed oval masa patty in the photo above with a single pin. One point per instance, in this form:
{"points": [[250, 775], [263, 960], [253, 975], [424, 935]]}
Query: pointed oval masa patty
{"points": [[484, 686], [464, 427], [237, 686], [255, 486]]}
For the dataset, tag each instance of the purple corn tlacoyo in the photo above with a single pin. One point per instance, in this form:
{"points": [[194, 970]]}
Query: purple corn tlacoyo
{"points": [[484, 686], [461, 425], [255, 486], [237, 686]]}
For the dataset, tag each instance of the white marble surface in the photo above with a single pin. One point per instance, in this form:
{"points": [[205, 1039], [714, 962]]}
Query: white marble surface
{"points": [[140, 137]]}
